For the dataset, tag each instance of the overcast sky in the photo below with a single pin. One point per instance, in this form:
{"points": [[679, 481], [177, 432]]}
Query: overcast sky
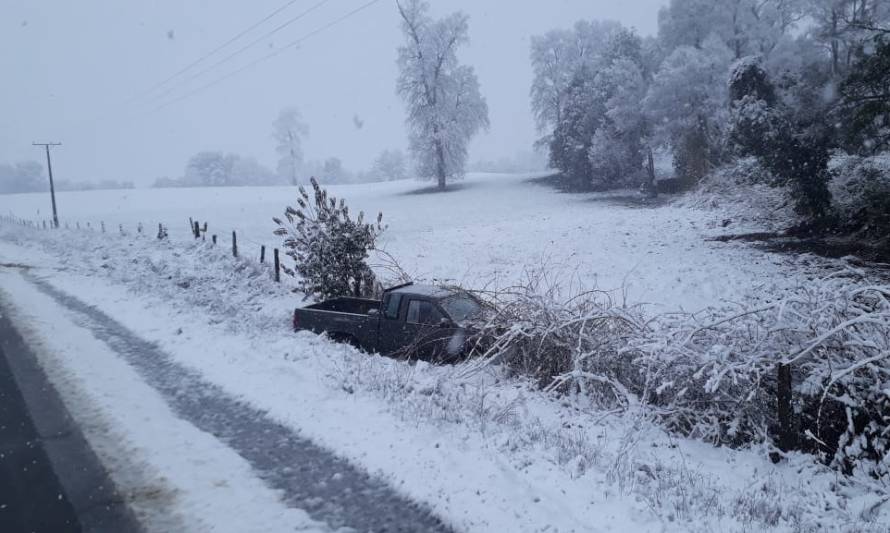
{"points": [[77, 72]]}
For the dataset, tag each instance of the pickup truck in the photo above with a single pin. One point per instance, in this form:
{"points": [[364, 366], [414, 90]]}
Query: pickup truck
{"points": [[411, 321]]}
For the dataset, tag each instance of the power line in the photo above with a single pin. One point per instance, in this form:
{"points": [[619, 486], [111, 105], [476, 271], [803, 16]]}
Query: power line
{"points": [[244, 48], [218, 48], [277, 52]]}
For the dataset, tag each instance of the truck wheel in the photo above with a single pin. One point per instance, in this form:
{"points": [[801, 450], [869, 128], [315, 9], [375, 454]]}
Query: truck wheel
{"points": [[343, 338]]}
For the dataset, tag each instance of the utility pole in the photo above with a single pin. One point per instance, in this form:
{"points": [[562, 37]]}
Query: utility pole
{"points": [[52, 187]]}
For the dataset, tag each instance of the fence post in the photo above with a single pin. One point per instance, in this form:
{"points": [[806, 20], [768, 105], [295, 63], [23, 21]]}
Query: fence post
{"points": [[234, 244], [44, 224], [785, 413], [262, 254], [277, 267], [192, 225], [103, 226], [214, 240], [196, 230]]}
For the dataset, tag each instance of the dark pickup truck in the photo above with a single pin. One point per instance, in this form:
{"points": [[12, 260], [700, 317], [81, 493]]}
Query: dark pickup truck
{"points": [[411, 321]]}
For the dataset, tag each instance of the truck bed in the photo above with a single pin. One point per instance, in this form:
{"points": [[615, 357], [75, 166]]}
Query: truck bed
{"points": [[354, 306], [344, 319]]}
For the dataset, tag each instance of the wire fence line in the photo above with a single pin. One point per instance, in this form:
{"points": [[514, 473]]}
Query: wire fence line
{"points": [[200, 232]]}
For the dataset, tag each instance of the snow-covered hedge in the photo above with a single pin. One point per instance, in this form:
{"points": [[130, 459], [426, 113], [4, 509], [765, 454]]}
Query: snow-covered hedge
{"points": [[860, 189], [744, 192], [713, 375]]}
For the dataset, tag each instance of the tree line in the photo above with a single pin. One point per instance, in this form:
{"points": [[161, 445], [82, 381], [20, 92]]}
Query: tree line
{"points": [[791, 83], [28, 176]]}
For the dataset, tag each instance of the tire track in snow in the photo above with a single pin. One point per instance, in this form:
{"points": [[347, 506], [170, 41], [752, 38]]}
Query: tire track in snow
{"points": [[327, 487]]}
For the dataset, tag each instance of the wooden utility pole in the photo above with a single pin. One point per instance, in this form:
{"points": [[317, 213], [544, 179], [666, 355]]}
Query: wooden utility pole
{"points": [[52, 187]]}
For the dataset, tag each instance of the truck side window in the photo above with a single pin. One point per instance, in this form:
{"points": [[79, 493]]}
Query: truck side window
{"points": [[422, 312], [392, 306]]}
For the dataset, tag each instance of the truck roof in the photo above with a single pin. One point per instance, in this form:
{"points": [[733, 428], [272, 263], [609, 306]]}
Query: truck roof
{"points": [[431, 291]]}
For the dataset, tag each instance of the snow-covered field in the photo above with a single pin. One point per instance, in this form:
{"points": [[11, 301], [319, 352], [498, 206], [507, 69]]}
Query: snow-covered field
{"points": [[490, 230], [484, 451]]}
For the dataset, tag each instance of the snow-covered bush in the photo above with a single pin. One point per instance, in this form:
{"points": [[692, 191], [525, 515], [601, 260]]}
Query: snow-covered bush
{"points": [[544, 330], [860, 187], [330, 248], [713, 375], [793, 146], [741, 193]]}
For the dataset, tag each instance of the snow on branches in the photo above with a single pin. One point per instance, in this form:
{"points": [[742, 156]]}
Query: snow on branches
{"points": [[714, 375], [445, 105], [330, 248]]}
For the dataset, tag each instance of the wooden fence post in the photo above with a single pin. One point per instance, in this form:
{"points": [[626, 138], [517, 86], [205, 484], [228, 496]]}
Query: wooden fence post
{"points": [[785, 412], [277, 267], [214, 240], [262, 254], [196, 230], [234, 244]]}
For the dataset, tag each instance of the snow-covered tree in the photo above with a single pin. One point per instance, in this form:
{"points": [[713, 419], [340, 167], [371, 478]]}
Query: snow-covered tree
{"points": [[289, 130], [866, 99], [210, 169], [556, 58], [794, 152], [588, 85], [25, 176], [329, 248], [390, 165], [744, 26], [616, 153], [249, 171], [445, 106], [688, 105], [333, 171], [841, 26]]}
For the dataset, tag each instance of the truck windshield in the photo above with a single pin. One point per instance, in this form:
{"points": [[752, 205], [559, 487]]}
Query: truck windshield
{"points": [[460, 307]]}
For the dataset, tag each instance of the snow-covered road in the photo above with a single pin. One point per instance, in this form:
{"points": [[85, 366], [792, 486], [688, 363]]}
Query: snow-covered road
{"points": [[305, 477]]}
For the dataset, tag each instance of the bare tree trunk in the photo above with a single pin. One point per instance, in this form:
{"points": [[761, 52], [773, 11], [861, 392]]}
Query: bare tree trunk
{"points": [[652, 186], [440, 164]]}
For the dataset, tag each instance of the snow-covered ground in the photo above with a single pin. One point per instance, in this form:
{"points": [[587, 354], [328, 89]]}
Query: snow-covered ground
{"points": [[491, 229], [483, 451]]}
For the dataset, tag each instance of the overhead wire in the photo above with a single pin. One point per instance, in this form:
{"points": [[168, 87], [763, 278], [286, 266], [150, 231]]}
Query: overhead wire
{"points": [[243, 49], [271, 55], [226, 43]]}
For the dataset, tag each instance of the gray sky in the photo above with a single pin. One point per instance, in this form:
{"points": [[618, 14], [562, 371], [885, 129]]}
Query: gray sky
{"points": [[71, 70]]}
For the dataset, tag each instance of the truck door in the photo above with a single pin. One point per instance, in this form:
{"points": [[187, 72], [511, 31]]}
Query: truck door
{"points": [[392, 324], [428, 339]]}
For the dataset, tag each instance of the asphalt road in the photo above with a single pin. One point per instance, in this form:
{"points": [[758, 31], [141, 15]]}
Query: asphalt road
{"points": [[50, 479], [31, 497]]}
